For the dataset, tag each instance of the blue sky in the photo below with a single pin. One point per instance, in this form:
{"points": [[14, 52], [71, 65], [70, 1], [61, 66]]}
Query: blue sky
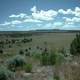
{"points": [[24, 15]]}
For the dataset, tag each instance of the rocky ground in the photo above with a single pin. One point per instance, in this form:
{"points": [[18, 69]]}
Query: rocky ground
{"points": [[66, 71], [38, 73]]}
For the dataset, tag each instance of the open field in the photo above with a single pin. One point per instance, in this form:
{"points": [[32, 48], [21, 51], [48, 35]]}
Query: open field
{"points": [[53, 40], [42, 40], [19, 43]]}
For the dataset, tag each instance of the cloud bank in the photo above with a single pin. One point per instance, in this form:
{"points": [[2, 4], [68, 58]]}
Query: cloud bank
{"points": [[44, 19]]}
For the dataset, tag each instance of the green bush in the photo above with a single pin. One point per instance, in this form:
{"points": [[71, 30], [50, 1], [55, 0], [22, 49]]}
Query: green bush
{"points": [[51, 58], [28, 67], [56, 77], [15, 62], [45, 58], [75, 45], [5, 74], [27, 53], [1, 51], [58, 57], [26, 50], [21, 52], [36, 55]]}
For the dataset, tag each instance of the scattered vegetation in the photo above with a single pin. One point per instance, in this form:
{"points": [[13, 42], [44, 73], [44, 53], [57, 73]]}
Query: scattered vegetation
{"points": [[51, 58], [27, 53], [16, 62], [28, 67], [5, 74], [38, 56], [21, 52], [1, 51], [56, 77], [27, 40], [44, 58]]}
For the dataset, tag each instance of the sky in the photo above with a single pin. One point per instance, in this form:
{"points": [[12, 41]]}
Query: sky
{"points": [[25, 15]]}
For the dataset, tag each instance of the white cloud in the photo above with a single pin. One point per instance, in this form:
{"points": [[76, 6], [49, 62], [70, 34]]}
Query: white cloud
{"points": [[39, 24], [21, 15], [76, 19], [49, 25], [34, 9], [43, 15], [57, 23], [5, 24], [16, 22], [44, 26], [32, 20], [72, 20], [70, 27], [11, 23], [68, 11], [77, 12], [46, 19]]}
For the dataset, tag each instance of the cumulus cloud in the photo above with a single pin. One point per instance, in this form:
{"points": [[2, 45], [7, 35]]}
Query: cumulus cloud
{"points": [[72, 20], [58, 24], [5, 24], [68, 11], [46, 19], [75, 12], [51, 25], [34, 9], [11, 23], [21, 15], [43, 15], [70, 27], [32, 20], [15, 22]]}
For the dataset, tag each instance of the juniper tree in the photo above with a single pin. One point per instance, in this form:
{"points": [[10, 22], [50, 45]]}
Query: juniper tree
{"points": [[75, 45]]}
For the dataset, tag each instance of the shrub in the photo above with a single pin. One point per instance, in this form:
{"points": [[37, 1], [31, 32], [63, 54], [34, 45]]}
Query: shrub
{"points": [[26, 50], [36, 56], [28, 67], [44, 58], [37, 47], [56, 77], [27, 53], [60, 58], [21, 52], [75, 45], [13, 41], [5, 74], [63, 51], [15, 62], [10, 46], [1, 51], [26, 40], [30, 40], [29, 48], [53, 57]]}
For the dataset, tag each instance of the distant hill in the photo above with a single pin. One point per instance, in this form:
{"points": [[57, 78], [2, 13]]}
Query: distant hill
{"points": [[56, 30], [41, 30]]}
